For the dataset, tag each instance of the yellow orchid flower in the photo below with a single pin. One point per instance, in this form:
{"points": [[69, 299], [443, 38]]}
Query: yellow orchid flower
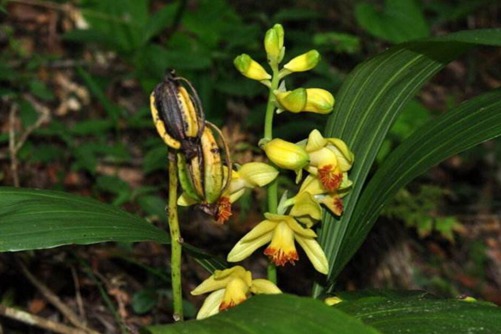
{"points": [[250, 175], [330, 158], [281, 232], [229, 288], [332, 200]]}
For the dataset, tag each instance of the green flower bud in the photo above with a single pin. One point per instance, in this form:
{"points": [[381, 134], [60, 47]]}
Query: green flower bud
{"points": [[293, 101], [274, 43], [304, 62], [319, 101], [286, 155], [250, 68]]}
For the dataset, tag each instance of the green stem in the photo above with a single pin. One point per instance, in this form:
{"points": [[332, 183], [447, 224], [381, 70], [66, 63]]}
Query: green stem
{"points": [[272, 191], [176, 239], [270, 108]]}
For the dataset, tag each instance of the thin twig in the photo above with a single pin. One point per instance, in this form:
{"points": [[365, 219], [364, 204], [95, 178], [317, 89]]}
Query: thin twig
{"points": [[43, 117], [16, 144], [54, 300], [12, 146], [34, 320], [78, 296], [103, 287]]}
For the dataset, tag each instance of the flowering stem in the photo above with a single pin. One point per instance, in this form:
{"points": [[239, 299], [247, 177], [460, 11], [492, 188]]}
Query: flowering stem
{"points": [[176, 239], [272, 194], [272, 191], [270, 108]]}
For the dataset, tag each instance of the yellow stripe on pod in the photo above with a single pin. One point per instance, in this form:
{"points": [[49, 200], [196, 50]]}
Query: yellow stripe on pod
{"points": [[190, 116], [213, 167], [159, 124]]}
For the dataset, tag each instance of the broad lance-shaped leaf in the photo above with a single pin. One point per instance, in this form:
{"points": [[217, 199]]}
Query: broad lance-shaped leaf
{"points": [[35, 219], [471, 123], [277, 314], [416, 312], [368, 102]]}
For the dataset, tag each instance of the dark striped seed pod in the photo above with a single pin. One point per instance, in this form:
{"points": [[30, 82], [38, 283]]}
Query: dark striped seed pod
{"points": [[178, 114], [203, 178]]}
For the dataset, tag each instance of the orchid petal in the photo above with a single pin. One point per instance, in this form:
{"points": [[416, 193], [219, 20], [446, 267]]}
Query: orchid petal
{"points": [[219, 280], [211, 304], [314, 253], [257, 174], [305, 205], [301, 231], [264, 286], [315, 141], [251, 241]]}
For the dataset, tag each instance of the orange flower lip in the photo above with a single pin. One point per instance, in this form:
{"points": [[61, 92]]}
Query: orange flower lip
{"points": [[331, 178], [338, 204], [227, 305], [223, 211], [280, 257]]}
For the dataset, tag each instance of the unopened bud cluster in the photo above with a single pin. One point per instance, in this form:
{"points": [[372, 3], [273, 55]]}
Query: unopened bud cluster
{"points": [[314, 100]]}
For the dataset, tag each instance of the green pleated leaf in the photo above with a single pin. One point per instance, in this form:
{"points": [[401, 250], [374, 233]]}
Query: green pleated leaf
{"points": [[461, 128], [273, 314], [369, 101], [35, 219], [419, 312]]}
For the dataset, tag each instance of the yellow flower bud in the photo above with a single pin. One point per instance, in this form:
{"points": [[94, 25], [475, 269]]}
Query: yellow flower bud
{"points": [[274, 43], [319, 101], [304, 62], [293, 101], [332, 300], [285, 154], [250, 68]]}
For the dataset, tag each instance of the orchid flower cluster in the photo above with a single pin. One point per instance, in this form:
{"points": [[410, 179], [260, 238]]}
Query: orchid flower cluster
{"points": [[321, 166]]}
